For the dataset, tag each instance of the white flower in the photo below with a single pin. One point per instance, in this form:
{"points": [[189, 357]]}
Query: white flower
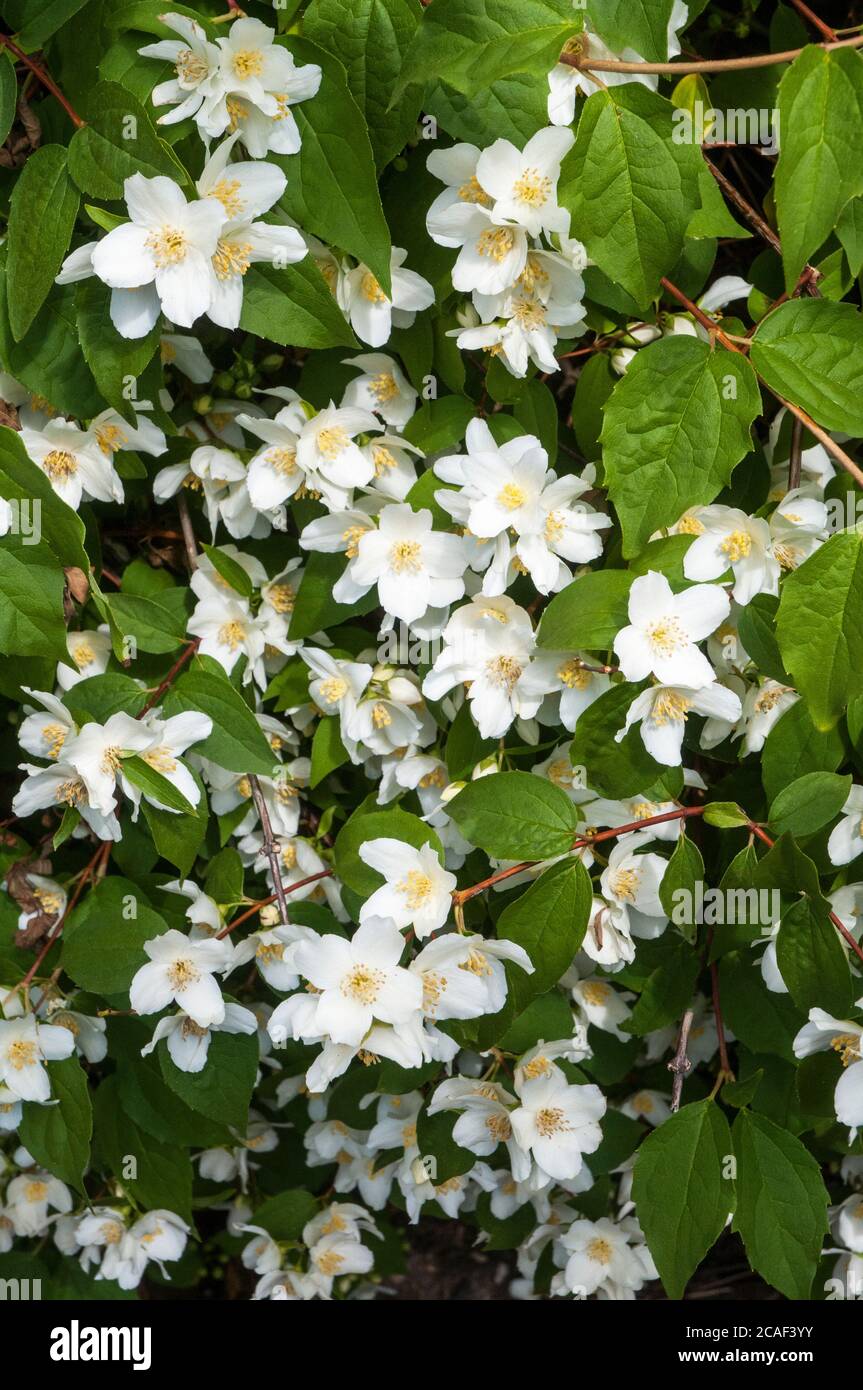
{"points": [[90, 651], [664, 709], [262, 82], [372, 313], [823, 1033], [488, 642], [73, 462], [664, 628], [229, 630], [30, 1196], [62, 785], [456, 167], [329, 456], [418, 891], [557, 1123], [25, 1046], [414, 567], [565, 82], [360, 981], [763, 706], [382, 387], [244, 191], [182, 971], [171, 738], [846, 838], [168, 244], [188, 1042], [113, 433], [631, 882], [196, 63], [729, 539], [464, 976], [598, 1254], [523, 183], [798, 527], [97, 751]]}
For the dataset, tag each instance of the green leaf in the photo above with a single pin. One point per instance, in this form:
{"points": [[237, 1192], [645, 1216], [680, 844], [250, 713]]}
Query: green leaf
{"points": [[849, 230], [98, 697], [809, 802], [434, 1137], [794, 747], [103, 939], [328, 751], [667, 990], [811, 352], [588, 614], [162, 1175], [285, 1216], [676, 426], [223, 1089], [49, 360], [224, 879], [638, 24], [757, 628], [332, 183], [176, 838], [8, 95], [631, 189], [58, 1136], [44, 197], [820, 626], [685, 870], [372, 825], [49, 16], [781, 1204], [764, 1021], [116, 362], [118, 140], [812, 960], [230, 570], [610, 768], [549, 921], [155, 625], [514, 815], [371, 37], [682, 1192], [725, 815], [31, 616], [236, 742], [293, 306], [471, 43], [154, 784], [820, 113], [315, 609], [439, 424]]}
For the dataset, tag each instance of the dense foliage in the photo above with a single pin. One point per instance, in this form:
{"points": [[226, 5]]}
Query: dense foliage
{"points": [[432, 611]]}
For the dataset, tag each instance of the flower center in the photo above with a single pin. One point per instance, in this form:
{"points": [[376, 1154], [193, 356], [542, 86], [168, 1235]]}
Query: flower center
{"points": [[406, 555], [767, 700], [595, 992], [54, 736], [383, 460], [111, 1233], [573, 675], [330, 1262], [690, 526], [160, 760], [416, 887], [36, 1191], [191, 68], [496, 243], [281, 597], [372, 290], [600, 1251], [111, 759], [231, 258], [232, 634], [333, 688], [512, 497], [669, 707], [848, 1047], [473, 192], [499, 1127], [182, 973], [624, 884], [249, 62], [332, 440], [110, 438], [282, 460], [736, 546], [504, 671], [72, 792], [642, 1104], [532, 188], [60, 464], [381, 716], [168, 246], [270, 951], [529, 313], [551, 1120], [20, 1054], [363, 984], [383, 387], [666, 635], [228, 193], [554, 528]]}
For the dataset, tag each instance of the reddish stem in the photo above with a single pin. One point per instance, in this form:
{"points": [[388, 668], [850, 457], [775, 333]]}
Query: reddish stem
{"points": [[45, 78]]}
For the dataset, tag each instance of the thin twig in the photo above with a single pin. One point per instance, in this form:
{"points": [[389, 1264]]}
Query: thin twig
{"points": [[585, 63], [824, 29], [99, 859], [271, 849], [171, 676], [795, 457], [265, 902], [680, 1064], [188, 532], [45, 78]]}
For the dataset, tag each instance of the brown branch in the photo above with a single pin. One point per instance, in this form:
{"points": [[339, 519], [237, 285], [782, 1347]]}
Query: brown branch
{"points": [[725, 1072], [823, 29], [188, 532], [271, 849], [585, 63], [100, 858], [839, 454], [171, 676], [265, 902], [839, 925], [680, 1064], [45, 78]]}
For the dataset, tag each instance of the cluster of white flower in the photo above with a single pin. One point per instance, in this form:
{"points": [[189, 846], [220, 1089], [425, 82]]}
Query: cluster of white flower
{"points": [[516, 258]]}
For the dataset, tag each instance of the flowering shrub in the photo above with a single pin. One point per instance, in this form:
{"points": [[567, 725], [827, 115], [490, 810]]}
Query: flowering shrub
{"points": [[432, 588]]}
